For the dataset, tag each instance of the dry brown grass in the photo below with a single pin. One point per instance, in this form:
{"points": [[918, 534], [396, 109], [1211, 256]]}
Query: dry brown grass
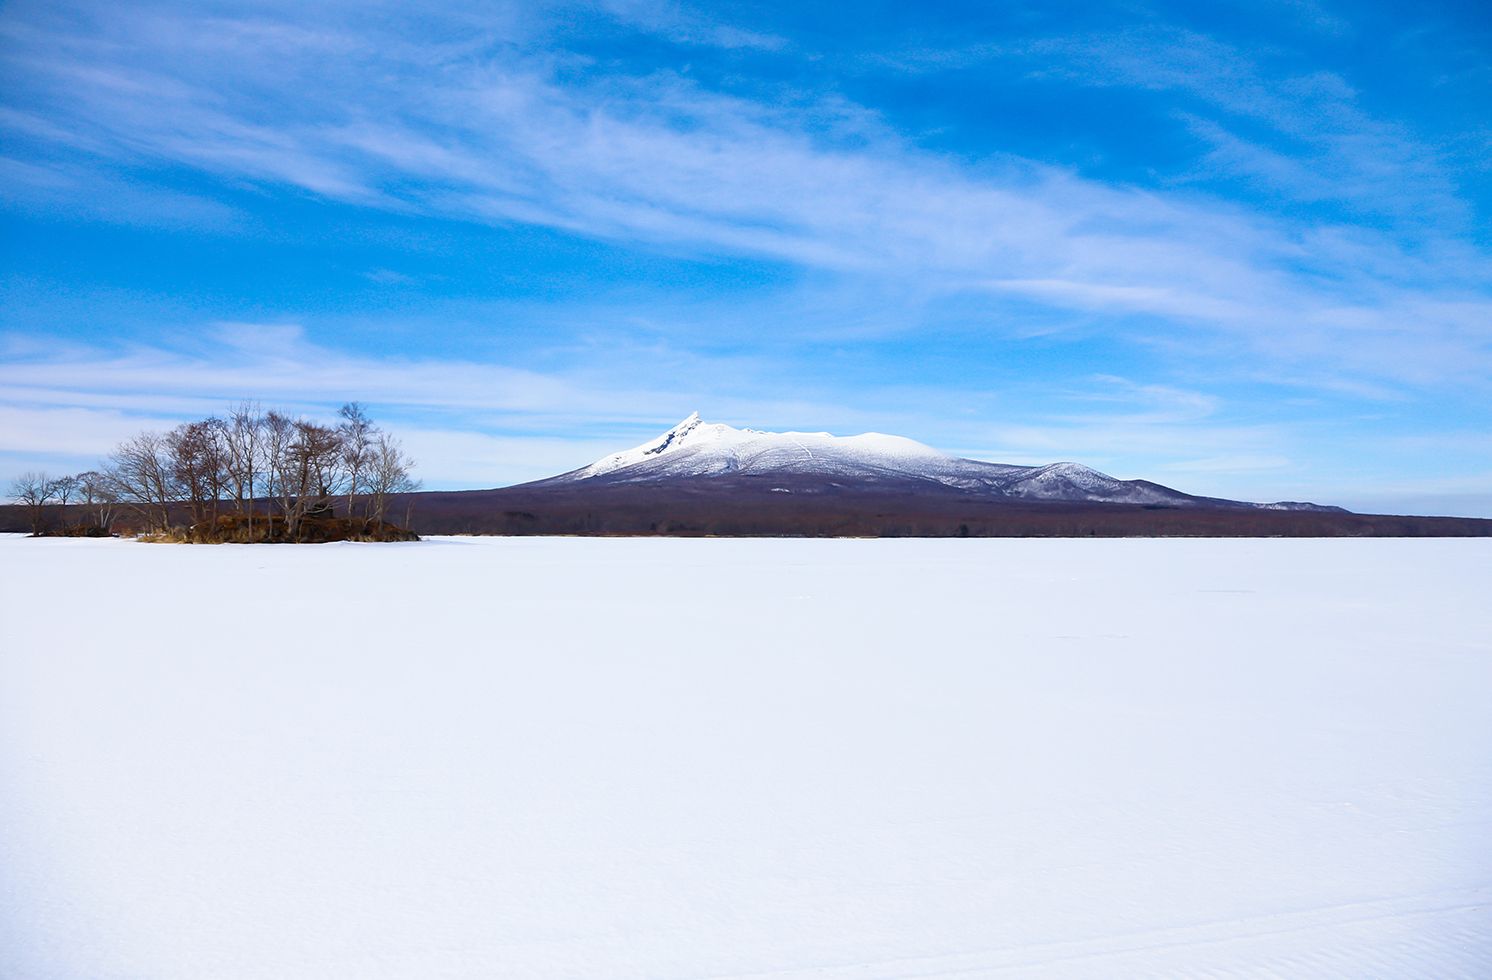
{"points": [[273, 529]]}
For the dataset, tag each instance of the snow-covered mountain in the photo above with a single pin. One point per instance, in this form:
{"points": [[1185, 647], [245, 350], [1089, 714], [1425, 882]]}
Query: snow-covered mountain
{"points": [[695, 450]]}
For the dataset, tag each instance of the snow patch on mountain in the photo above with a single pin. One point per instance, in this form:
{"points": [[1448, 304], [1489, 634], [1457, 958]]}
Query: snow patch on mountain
{"points": [[697, 448]]}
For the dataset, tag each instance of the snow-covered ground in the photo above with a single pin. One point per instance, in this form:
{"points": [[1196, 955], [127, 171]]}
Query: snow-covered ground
{"points": [[673, 759]]}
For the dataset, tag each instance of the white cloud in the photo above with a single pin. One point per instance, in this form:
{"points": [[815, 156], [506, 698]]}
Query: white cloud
{"points": [[1376, 165], [1228, 464], [476, 460], [71, 430], [479, 425], [675, 22], [493, 134]]}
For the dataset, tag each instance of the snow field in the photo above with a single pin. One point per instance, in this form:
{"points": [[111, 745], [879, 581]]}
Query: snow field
{"points": [[682, 759]]}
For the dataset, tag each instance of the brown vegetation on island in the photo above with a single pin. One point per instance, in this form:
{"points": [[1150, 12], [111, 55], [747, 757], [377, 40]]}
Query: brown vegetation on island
{"points": [[253, 476]]}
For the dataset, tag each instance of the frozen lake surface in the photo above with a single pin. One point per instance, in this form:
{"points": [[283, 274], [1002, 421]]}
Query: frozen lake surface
{"points": [[672, 759]]}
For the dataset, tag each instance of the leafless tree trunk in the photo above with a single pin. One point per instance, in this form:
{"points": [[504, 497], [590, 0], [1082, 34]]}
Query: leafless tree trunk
{"points": [[198, 461], [278, 433], [358, 453], [243, 437], [389, 474], [139, 475], [312, 460], [98, 501]]}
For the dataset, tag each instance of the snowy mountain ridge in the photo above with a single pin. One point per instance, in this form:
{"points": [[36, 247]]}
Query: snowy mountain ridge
{"points": [[695, 449]]}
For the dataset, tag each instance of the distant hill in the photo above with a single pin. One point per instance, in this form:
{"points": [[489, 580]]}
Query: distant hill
{"points": [[697, 453], [702, 479]]}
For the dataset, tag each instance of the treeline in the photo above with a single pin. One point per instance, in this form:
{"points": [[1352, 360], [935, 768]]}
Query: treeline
{"points": [[249, 476]]}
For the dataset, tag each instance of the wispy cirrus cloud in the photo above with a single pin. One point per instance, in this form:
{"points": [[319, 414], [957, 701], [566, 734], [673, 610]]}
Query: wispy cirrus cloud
{"points": [[499, 133], [1336, 150], [1293, 134], [683, 25]]}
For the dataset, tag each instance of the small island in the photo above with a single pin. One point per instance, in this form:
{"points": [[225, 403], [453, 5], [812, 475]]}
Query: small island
{"points": [[252, 476]]}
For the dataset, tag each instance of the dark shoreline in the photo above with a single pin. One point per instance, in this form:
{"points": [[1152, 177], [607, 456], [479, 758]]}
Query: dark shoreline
{"points": [[747, 507], [729, 509]]}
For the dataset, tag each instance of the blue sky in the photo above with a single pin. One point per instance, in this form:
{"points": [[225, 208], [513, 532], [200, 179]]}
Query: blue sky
{"points": [[1237, 248]]}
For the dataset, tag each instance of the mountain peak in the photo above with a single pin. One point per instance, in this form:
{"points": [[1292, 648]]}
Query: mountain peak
{"points": [[697, 450], [673, 436]]}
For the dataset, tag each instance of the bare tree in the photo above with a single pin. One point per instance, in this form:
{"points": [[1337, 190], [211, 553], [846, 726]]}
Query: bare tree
{"points": [[358, 453], [98, 501], [33, 491], [139, 476], [311, 471], [275, 438], [63, 489], [244, 440], [198, 460], [297, 466], [389, 474]]}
